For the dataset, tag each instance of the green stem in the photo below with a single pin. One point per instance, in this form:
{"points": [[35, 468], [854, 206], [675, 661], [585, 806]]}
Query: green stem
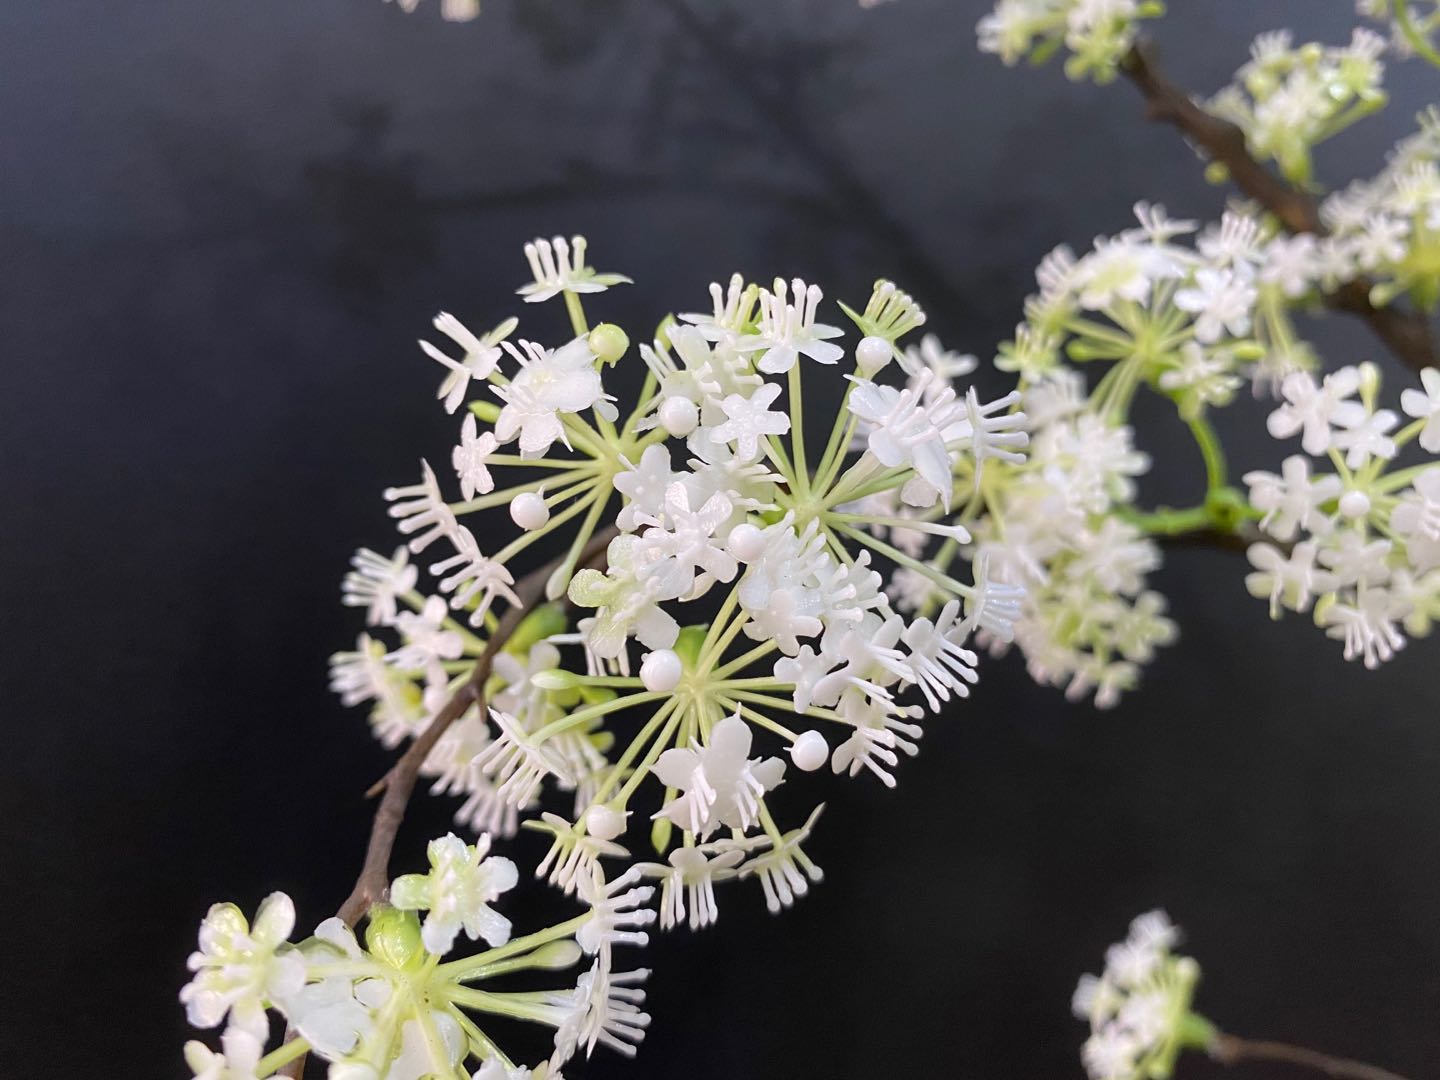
{"points": [[281, 1057], [1215, 467], [1418, 41]]}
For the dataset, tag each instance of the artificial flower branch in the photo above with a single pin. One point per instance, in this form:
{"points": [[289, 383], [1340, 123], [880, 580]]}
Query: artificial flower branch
{"points": [[1407, 334]]}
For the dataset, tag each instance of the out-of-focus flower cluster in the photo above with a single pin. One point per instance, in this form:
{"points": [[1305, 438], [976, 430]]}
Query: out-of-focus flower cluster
{"points": [[1097, 33], [1387, 228], [1191, 323], [1138, 1009], [1413, 24], [1288, 99], [393, 1008], [450, 10]]}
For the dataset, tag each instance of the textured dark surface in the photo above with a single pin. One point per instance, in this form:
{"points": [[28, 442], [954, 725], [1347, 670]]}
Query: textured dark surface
{"points": [[223, 227]]}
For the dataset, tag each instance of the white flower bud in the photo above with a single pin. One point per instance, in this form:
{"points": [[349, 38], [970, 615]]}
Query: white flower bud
{"points": [[679, 416], [528, 510], [604, 822], [745, 542], [660, 671], [1355, 504], [809, 751], [872, 354]]}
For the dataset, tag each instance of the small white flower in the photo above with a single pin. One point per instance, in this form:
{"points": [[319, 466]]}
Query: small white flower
{"points": [[421, 506], [574, 856], [1367, 437], [1111, 1053], [1286, 581], [749, 420], [681, 544], [789, 330], [786, 871], [1417, 515], [1313, 409], [517, 762], [560, 267], [720, 784], [472, 575], [240, 969], [938, 657], [457, 893], [1292, 263], [1292, 501], [470, 457], [1221, 301], [1425, 405], [604, 1008], [1367, 626], [551, 382], [690, 880], [242, 1053], [617, 909], [905, 429], [376, 582], [480, 356]]}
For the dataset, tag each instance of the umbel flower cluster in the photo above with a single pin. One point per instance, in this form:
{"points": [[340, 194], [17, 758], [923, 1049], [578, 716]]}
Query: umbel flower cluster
{"points": [[1289, 99], [1138, 1009], [736, 625], [741, 593], [394, 1007], [1189, 321], [1194, 324], [1097, 33]]}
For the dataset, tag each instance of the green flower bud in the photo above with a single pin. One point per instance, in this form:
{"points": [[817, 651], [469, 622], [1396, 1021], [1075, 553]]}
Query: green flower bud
{"points": [[608, 342], [393, 937]]}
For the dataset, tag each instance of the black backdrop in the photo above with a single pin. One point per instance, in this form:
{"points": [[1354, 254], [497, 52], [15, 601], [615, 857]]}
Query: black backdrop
{"points": [[225, 224]]}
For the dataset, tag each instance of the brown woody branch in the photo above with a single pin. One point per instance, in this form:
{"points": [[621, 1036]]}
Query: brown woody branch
{"points": [[1230, 1050], [373, 884], [1405, 333], [398, 783]]}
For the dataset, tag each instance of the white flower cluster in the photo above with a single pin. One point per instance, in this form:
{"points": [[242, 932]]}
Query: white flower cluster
{"points": [[1139, 1008], [1413, 24], [393, 1009], [1387, 229], [450, 10], [1361, 545], [1098, 33], [1288, 99], [1087, 621], [1189, 323], [742, 594]]}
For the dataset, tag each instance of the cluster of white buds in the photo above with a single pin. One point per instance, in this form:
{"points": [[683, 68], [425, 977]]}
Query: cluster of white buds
{"points": [[394, 1008], [1413, 24], [1139, 1008], [1098, 33], [1288, 99], [1359, 544], [741, 599], [1387, 228], [450, 10]]}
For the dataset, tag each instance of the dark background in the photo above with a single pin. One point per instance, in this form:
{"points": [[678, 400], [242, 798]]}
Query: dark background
{"points": [[225, 224]]}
